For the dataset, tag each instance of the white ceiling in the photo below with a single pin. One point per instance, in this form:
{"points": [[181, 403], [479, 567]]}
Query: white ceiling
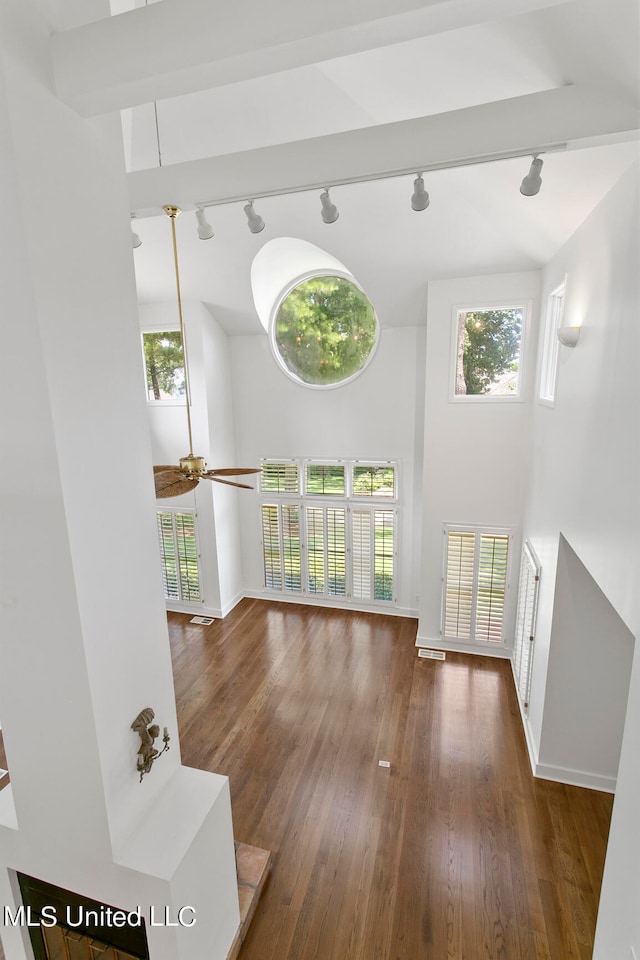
{"points": [[478, 222]]}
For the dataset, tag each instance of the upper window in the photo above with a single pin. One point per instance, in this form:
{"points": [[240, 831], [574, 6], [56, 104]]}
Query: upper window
{"points": [[549, 363], [324, 331], [324, 478], [353, 479], [374, 481], [164, 365], [488, 349]]}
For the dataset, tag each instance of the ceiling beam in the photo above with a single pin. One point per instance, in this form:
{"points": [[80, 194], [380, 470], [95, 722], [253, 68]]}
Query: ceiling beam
{"points": [[182, 46], [520, 125]]}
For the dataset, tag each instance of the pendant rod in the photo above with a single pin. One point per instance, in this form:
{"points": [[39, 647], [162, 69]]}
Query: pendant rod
{"points": [[172, 213]]}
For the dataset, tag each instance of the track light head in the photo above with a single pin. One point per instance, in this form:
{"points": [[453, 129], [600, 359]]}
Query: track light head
{"points": [[329, 210], [420, 197], [256, 223], [205, 230], [531, 184]]}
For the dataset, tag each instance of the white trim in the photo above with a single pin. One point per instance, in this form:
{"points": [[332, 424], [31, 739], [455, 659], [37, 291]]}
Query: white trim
{"points": [[481, 648], [168, 401], [517, 397], [549, 771], [289, 288], [478, 531], [383, 607], [549, 353]]}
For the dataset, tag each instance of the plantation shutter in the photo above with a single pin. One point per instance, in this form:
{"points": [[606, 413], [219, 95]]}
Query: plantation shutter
{"points": [[361, 553], [168, 555], [336, 552], [187, 556], [526, 622], [475, 584], [314, 541], [459, 575], [384, 548], [179, 555], [492, 585], [291, 547], [326, 551], [315, 550], [279, 478], [271, 547]]}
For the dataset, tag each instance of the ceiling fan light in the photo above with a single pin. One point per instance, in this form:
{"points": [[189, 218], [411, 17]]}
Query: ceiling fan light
{"points": [[256, 223], [420, 197], [205, 230], [531, 184], [329, 210]]}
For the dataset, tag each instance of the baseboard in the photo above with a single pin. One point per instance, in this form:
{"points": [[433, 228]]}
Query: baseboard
{"points": [[575, 778], [455, 646], [550, 771], [332, 603], [228, 607], [195, 609]]}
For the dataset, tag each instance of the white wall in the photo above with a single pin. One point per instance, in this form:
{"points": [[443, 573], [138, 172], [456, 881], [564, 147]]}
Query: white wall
{"points": [[213, 437], [475, 453], [584, 485], [590, 657], [83, 642], [371, 418]]}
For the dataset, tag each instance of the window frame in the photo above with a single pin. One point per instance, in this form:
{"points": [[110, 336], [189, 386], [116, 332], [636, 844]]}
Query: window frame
{"points": [[157, 327], [550, 353], [180, 599], [376, 565], [479, 307], [289, 288], [365, 497], [478, 531]]}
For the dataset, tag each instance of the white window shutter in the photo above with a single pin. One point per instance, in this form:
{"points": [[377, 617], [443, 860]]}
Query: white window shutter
{"points": [[526, 622]]}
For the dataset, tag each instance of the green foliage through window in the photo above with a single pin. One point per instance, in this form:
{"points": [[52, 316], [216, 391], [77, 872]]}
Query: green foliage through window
{"points": [[164, 364], [325, 331], [325, 479], [488, 352], [374, 481]]}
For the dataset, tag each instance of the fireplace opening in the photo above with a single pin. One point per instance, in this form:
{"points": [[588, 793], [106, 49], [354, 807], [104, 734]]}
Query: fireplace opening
{"points": [[66, 926]]}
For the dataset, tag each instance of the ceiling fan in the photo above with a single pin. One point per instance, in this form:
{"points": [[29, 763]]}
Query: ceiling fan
{"points": [[171, 480]]}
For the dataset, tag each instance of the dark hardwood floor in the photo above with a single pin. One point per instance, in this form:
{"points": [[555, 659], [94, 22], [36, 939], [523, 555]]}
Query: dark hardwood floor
{"points": [[454, 852]]}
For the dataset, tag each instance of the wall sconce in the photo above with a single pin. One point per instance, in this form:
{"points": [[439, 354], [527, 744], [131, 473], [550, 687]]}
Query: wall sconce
{"points": [[568, 336], [147, 754]]}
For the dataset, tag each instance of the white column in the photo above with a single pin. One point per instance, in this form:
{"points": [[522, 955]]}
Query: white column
{"points": [[83, 644]]}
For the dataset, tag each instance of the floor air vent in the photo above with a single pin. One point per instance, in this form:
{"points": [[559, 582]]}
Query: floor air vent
{"points": [[205, 621], [432, 654]]}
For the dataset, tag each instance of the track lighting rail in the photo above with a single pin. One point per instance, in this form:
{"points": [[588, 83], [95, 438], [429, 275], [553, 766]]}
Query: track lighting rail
{"points": [[529, 187], [413, 171], [392, 174]]}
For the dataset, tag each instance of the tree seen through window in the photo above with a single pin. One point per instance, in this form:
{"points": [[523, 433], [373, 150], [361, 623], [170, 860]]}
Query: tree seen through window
{"points": [[325, 331], [164, 364], [488, 352]]}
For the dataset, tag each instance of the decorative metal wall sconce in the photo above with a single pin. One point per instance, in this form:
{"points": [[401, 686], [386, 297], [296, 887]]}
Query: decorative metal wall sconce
{"points": [[148, 732]]}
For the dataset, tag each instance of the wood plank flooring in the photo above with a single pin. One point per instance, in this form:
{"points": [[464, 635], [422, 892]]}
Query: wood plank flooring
{"points": [[454, 852]]}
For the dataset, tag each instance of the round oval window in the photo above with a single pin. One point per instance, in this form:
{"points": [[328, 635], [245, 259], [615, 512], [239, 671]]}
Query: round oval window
{"points": [[325, 331]]}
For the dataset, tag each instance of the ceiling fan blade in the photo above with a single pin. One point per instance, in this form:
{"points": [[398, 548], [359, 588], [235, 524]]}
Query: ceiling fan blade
{"points": [[230, 483], [172, 483], [231, 471], [161, 468]]}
